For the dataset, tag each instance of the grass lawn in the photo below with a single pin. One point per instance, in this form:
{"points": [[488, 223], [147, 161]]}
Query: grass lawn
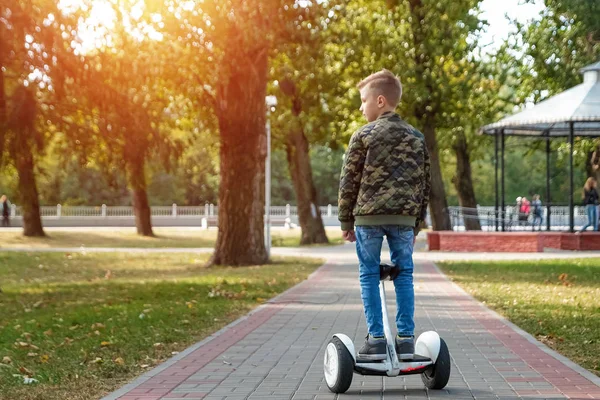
{"points": [[126, 237], [557, 301], [82, 325]]}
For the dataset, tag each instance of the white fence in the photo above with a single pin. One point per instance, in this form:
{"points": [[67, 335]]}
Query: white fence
{"points": [[207, 210], [559, 214], [559, 217]]}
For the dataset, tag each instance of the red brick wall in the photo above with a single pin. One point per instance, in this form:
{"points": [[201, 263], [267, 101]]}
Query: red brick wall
{"points": [[514, 242], [552, 240], [589, 241]]}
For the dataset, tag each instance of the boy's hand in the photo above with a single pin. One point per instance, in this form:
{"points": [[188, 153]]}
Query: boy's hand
{"points": [[350, 236]]}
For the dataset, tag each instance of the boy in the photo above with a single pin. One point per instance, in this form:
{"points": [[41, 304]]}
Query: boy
{"points": [[384, 191]]}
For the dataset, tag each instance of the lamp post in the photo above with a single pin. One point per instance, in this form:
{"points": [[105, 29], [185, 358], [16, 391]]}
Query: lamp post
{"points": [[271, 101]]}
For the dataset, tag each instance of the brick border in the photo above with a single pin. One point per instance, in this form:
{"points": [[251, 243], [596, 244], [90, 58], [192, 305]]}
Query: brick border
{"points": [[511, 242], [578, 383], [161, 380]]}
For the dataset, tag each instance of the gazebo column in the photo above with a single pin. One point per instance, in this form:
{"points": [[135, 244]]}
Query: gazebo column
{"points": [[571, 186], [548, 199], [496, 191], [502, 147]]}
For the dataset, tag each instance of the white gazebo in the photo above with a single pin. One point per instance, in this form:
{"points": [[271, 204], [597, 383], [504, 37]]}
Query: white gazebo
{"points": [[575, 112]]}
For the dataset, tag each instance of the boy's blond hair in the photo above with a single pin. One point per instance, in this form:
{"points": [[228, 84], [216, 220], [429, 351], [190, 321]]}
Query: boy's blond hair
{"points": [[386, 84]]}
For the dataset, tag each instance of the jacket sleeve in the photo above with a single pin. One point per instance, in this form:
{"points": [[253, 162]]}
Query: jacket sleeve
{"points": [[350, 180], [426, 185]]}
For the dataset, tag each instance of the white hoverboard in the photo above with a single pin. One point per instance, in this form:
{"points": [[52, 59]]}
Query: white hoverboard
{"points": [[431, 359]]}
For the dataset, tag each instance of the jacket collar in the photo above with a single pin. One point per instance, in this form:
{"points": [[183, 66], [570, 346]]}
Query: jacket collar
{"points": [[387, 114]]}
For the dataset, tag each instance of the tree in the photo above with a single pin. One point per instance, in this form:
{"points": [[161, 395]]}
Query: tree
{"points": [[131, 102], [422, 41], [549, 52], [438, 31], [298, 118], [35, 59], [124, 104], [225, 48], [478, 97]]}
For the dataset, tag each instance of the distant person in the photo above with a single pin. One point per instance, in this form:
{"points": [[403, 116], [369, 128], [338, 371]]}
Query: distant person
{"points": [[537, 212], [524, 210], [5, 208], [590, 201], [518, 203]]}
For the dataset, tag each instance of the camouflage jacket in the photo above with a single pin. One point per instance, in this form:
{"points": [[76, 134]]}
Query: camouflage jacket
{"points": [[385, 178]]}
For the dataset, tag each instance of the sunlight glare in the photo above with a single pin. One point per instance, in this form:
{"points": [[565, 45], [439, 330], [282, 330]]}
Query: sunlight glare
{"points": [[95, 31]]}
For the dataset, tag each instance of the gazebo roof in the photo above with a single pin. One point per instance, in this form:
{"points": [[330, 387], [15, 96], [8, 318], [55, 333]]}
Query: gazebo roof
{"points": [[552, 117]]}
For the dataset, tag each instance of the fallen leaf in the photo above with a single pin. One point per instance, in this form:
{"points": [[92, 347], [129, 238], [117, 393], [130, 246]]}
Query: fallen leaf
{"points": [[6, 360], [48, 332], [32, 354], [105, 343], [25, 371], [119, 361], [44, 358]]}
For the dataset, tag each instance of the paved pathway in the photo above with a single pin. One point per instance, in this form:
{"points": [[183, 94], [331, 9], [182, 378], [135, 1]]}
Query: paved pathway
{"points": [[276, 352]]}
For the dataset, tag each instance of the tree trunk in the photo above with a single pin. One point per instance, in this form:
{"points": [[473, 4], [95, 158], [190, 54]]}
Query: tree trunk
{"points": [[464, 184], [28, 193], [438, 205], [309, 214], [241, 115], [24, 141], [3, 112], [425, 111], [141, 207]]}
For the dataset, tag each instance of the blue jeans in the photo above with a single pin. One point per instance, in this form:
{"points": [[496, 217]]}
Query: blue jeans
{"points": [[368, 248], [592, 214], [537, 220]]}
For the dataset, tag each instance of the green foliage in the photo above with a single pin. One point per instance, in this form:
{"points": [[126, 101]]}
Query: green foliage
{"points": [[525, 172], [157, 97], [547, 54]]}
